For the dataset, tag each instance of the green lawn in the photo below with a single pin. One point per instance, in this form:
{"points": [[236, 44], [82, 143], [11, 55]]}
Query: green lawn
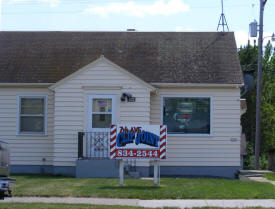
{"points": [[79, 206], [270, 176], [171, 188]]}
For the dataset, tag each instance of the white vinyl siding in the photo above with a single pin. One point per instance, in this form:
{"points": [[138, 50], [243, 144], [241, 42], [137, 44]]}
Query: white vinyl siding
{"points": [[67, 114], [26, 149], [219, 149], [71, 106]]}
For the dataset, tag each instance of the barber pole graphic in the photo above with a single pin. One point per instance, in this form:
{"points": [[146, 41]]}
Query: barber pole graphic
{"points": [[113, 141], [138, 142], [162, 150]]}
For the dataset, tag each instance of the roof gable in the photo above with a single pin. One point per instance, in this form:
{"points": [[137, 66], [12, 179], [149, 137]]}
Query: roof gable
{"points": [[101, 59]]}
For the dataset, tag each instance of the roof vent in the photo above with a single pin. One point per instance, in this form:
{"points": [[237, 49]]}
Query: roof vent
{"points": [[131, 29]]}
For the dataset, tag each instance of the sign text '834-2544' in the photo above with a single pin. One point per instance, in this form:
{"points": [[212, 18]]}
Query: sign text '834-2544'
{"points": [[142, 141]]}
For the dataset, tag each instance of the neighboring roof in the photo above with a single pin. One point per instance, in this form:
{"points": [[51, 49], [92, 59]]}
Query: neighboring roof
{"points": [[159, 57]]}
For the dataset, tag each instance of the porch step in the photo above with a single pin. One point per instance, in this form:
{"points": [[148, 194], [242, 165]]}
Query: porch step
{"points": [[132, 174], [245, 174], [254, 172]]}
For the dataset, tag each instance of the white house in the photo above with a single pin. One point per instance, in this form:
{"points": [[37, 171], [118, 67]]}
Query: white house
{"points": [[54, 85]]}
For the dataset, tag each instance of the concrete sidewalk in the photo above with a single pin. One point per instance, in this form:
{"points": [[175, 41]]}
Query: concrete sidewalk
{"points": [[149, 203]]}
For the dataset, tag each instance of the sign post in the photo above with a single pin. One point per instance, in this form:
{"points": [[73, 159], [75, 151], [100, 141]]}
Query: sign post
{"points": [[156, 180], [138, 142], [121, 172]]}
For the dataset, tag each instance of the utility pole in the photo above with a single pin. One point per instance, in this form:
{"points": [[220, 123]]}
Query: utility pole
{"points": [[0, 15], [259, 86]]}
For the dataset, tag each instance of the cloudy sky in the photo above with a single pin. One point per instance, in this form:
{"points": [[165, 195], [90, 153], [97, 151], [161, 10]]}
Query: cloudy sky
{"points": [[143, 15]]}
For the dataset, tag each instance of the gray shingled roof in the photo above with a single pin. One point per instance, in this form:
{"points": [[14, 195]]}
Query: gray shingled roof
{"points": [[162, 57]]}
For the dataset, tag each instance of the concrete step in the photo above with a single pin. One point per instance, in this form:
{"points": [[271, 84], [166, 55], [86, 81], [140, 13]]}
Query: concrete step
{"points": [[246, 174], [132, 174], [254, 172]]}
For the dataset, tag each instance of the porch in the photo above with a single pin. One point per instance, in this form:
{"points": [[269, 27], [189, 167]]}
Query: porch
{"points": [[94, 159]]}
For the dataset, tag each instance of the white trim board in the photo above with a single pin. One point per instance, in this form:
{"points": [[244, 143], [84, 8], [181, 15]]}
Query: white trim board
{"points": [[198, 85], [87, 88], [25, 85]]}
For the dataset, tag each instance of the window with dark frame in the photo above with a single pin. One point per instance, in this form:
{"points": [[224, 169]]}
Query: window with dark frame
{"points": [[187, 115], [32, 115]]}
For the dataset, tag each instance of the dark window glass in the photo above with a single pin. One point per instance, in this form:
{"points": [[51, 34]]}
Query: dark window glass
{"points": [[101, 120], [32, 124], [184, 115], [32, 106]]}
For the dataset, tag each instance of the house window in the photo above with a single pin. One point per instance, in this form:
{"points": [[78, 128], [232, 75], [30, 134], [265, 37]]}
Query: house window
{"points": [[32, 112], [102, 113], [187, 115]]}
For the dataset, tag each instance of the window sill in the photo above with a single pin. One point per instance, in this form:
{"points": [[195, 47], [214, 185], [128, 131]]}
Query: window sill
{"points": [[187, 135], [31, 134]]}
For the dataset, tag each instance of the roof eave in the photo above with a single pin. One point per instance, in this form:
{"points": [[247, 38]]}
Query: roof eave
{"points": [[25, 85], [207, 85]]}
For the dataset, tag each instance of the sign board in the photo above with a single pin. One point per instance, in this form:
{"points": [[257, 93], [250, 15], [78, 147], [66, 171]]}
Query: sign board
{"points": [[138, 141]]}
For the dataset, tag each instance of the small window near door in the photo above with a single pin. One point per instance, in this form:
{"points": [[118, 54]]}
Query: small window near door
{"points": [[32, 114], [102, 113]]}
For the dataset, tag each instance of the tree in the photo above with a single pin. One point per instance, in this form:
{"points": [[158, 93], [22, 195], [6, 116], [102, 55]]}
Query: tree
{"points": [[248, 59], [268, 99]]}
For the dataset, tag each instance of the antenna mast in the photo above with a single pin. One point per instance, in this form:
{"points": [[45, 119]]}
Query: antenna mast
{"points": [[222, 21]]}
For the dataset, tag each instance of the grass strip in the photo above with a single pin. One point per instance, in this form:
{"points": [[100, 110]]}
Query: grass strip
{"points": [[270, 176], [170, 188]]}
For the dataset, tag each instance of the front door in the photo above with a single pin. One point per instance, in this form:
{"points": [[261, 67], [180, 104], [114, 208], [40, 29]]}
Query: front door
{"points": [[101, 114]]}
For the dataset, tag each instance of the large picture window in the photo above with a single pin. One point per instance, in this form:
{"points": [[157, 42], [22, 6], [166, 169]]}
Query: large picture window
{"points": [[187, 115], [32, 114]]}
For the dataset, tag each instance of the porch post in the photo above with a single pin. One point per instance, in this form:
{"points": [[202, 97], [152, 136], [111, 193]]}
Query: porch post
{"points": [[80, 144]]}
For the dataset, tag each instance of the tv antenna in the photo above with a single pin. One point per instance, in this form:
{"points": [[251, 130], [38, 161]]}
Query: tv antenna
{"points": [[222, 22]]}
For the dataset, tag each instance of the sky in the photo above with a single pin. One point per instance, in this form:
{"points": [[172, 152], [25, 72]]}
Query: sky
{"points": [[142, 15]]}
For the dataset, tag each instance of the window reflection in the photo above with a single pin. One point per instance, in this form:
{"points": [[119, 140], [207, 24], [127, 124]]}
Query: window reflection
{"points": [[184, 115]]}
